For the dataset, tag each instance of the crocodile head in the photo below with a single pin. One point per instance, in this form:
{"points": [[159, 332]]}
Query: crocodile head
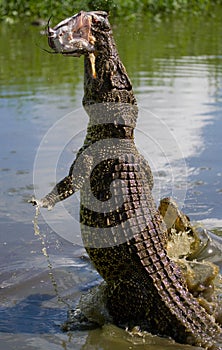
{"points": [[76, 35]]}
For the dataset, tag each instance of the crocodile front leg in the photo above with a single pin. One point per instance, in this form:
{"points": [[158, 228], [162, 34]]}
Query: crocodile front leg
{"points": [[79, 171]]}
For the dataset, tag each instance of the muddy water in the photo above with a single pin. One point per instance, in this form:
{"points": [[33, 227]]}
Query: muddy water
{"points": [[176, 69]]}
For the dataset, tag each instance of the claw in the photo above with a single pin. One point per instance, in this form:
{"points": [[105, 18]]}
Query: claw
{"points": [[33, 201], [37, 202]]}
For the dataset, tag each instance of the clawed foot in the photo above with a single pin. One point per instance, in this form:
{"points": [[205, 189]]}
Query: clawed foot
{"points": [[41, 203], [34, 201]]}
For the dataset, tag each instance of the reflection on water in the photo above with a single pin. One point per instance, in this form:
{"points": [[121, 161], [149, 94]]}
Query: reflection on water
{"points": [[190, 105], [176, 70], [110, 337]]}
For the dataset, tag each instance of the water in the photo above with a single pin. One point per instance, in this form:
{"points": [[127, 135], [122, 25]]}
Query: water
{"points": [[176, 70]]}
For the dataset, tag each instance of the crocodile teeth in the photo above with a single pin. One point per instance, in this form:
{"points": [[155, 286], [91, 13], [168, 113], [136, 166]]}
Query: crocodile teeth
{"points": [[92, 61]]}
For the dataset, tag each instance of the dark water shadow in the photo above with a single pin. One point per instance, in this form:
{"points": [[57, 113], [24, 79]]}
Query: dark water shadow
{"points": [[29, 316]]}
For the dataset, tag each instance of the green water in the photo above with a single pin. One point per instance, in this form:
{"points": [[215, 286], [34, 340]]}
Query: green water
{"points": [[176, 70]]}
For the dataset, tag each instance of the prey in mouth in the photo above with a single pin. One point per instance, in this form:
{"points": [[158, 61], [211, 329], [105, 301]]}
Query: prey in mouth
{"points": [[73, 36]]}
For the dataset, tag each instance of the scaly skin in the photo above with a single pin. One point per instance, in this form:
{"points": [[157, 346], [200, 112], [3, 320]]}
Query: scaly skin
{"points": [[122, 230]]}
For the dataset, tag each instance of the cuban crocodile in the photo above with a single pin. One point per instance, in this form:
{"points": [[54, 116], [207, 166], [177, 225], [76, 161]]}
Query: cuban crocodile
{"points": [[122, 230]]}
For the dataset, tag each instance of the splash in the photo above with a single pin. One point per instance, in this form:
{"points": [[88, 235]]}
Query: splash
{"points": [[41, 236]]}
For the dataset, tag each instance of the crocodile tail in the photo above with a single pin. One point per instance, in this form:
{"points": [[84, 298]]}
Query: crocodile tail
{"points": [[166, 276]]}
